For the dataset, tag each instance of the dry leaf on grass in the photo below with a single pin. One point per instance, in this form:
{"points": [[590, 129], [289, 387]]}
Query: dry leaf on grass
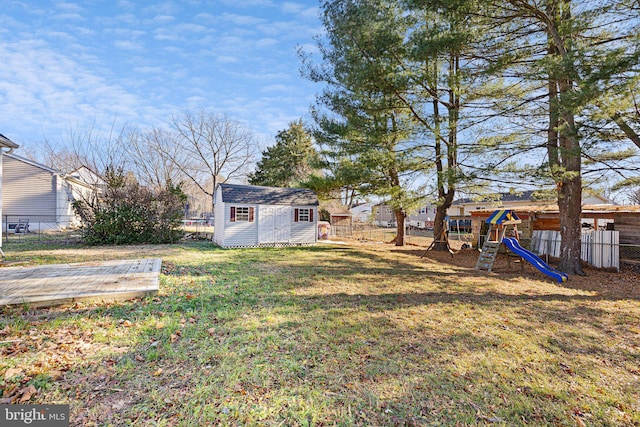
{"points": [[27, 392]]}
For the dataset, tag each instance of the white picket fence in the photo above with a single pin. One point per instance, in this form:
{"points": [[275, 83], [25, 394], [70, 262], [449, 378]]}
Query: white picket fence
{"points": [[600, 248]]}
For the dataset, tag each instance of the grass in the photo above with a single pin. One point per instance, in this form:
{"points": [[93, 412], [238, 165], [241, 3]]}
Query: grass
{"points": [[328, 335]]}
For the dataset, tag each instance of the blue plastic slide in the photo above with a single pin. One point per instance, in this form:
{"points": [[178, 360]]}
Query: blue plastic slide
{"points": [[533, 259]]}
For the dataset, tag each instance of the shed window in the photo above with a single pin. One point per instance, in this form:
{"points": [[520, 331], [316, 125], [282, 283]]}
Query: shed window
{"points": [[241, 213], [303, 215]]}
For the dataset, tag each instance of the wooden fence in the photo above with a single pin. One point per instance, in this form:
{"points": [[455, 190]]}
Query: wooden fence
{"points": [[600, 248]]}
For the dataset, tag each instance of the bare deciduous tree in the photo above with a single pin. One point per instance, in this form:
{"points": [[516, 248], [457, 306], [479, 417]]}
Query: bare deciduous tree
{"points": [[152, 155], [212, 147]]}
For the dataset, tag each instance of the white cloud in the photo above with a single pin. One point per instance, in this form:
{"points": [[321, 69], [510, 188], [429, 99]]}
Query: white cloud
{"points": [[67, 17], [127, 45], [266, 42], [53, 92], [69, 7], [227, 59], [246, 20], [163, 19]]}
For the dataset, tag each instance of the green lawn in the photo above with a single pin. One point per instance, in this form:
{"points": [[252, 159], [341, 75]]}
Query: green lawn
{"points": [[328, 335]]}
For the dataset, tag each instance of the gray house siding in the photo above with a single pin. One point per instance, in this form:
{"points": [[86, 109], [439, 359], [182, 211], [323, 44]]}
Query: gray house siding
{"points": [[1, 217], [28, 191]]}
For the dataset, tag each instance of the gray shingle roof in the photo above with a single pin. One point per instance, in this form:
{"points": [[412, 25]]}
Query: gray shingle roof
{"points": [[505, 197], [253, 194]]}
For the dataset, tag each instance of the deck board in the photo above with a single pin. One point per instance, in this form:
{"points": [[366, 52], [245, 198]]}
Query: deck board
{"points": [[56, 284]]}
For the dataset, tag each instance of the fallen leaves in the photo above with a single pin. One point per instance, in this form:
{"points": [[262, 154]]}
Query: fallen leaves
{"points": [[20, 395], [11, 373]]}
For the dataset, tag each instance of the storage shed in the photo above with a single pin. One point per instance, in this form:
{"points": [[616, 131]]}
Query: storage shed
{"points": [[253, 216]]}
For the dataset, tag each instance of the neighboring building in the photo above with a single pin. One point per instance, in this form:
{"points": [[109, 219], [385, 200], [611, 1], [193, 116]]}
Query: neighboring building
{"points": [[6, 147], [252, 216], [383, 215], [422, 218], [88, 176], [341, 222], [516, 201], [40, 196], [362, 212]]}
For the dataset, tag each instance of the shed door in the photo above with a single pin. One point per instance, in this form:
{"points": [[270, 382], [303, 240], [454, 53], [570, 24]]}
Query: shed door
{"points": [[275, 224]]}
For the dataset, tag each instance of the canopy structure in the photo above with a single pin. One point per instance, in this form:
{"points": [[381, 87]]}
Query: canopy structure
{"points": [[503, 217]]}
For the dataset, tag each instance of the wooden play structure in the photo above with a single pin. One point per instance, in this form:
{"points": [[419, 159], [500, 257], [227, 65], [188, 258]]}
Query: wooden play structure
{"points": [[500, 223], [503, 229]]}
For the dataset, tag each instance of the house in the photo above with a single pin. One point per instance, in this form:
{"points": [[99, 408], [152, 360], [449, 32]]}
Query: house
{"points": [[252, 216], [362, 212], [383, 215], [40, 196], [6, 147], [423, 217], [516, 201]]}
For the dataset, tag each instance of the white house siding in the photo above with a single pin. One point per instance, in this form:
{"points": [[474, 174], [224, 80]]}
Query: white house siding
{"points": [[305, 232], [29, 191]]}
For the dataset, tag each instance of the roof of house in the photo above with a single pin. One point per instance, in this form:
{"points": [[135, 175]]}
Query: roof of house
{"points": [[339, 212], [253, 194], [6, 142], [520, 196]]}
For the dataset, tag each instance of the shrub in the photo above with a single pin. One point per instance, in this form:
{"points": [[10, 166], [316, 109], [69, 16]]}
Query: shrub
{"points": [[130, 213]]}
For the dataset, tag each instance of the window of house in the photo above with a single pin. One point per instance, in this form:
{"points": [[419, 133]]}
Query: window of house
{"points": [[423, 210], [242, 213], [389, 211], [303, 215]]}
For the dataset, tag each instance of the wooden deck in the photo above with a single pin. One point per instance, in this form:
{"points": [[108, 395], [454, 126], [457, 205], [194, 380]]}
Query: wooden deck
{"points": [[58, 284]]}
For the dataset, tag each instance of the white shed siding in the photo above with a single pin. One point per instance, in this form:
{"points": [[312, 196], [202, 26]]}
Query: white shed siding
{"points": [[273, 212], [218, 220], [305, 232], [28, 191], [239, 233]]}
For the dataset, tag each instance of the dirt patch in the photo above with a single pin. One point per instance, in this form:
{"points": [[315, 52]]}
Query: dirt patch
{"points": [[609, 284]]}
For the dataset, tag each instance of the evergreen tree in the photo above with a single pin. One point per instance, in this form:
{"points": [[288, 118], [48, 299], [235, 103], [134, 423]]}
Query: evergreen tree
{"points": [[367, 132], [570, 58], [290, 162]]}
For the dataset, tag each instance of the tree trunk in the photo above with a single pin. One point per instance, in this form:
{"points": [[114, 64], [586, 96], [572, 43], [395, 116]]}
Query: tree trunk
{"points": [[570, 196], [400, 218], [439, 228]]}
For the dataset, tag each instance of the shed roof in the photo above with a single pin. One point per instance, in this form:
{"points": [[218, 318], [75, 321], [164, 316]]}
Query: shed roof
{"points": [[253, 194], [339, 212]]}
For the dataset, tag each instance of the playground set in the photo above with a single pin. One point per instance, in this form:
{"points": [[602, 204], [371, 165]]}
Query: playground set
{"points": [[503, 229]]}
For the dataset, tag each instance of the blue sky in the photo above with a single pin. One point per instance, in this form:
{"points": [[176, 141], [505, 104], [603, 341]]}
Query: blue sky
{"points": [[75, 64]]}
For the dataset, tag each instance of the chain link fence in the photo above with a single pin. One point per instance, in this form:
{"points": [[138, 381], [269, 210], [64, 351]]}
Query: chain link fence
{"points": [[23, 229], [40, 228], [630, 257]]}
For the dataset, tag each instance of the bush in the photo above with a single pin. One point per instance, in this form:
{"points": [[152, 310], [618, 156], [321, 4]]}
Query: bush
{"points": [[129, 213]]}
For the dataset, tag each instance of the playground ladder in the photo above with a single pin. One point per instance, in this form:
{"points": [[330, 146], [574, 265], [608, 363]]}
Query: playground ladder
{"points": [[488, 255]]}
